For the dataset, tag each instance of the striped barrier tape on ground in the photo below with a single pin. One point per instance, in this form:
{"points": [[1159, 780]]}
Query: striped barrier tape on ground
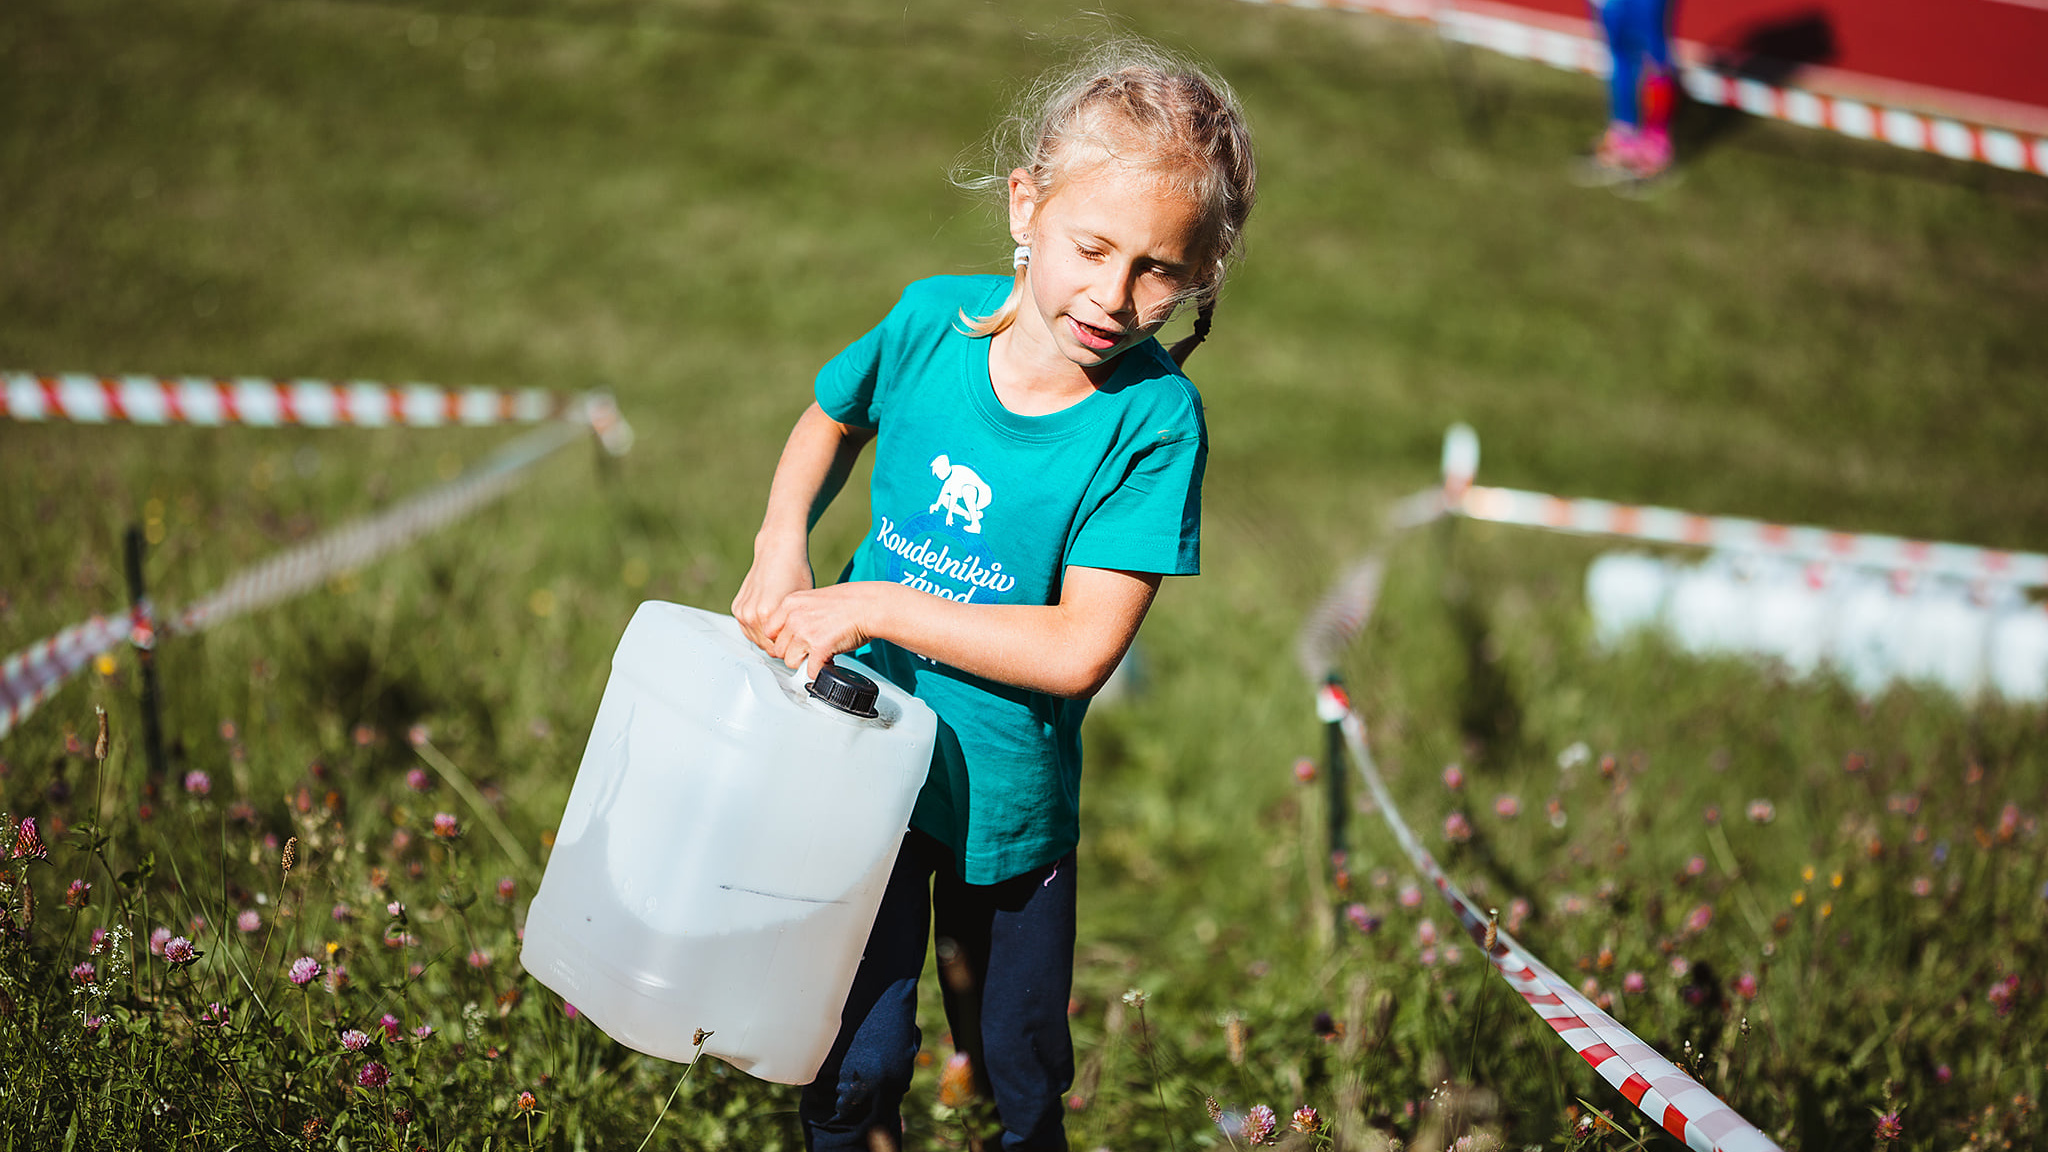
{"points": [[1864, 120], [1738, 534], [259, 402], [1662, 1091], [32, 674]]}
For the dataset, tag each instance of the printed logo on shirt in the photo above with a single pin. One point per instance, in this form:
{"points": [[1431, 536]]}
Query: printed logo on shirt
{"points": [[962, 493], [942, 550]]}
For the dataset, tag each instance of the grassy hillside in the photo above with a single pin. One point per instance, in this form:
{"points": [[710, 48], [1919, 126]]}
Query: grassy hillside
{"points": [[693, 204]]}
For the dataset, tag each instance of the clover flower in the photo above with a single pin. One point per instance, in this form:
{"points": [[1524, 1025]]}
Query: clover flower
{"points": [[2003, 993], [198, 783], [1746, 986], [178, 950], [390, 1025], [355, 1039], [1890, 1127], [1258, 1124], [1425, 933], [28, 843], [157, 939], [249, 920], [418, 780], [1362, 918], [84, 973], [479, 959], [507, 888], [1762, 812], [1305, 770], [1633, 983], [1410, 896], [215, 1014], [1306, 1119], [526, 1102], [77, 894], [1699, 918], [304, 971], [373, 1075], [445, 825], [423, 1031], [1457, 829], [1454, 777]]}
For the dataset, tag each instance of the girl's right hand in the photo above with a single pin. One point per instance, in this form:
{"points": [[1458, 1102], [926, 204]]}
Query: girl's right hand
{"points": [[776, 573]]}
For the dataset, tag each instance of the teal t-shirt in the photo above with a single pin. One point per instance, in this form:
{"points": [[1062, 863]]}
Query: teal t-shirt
{"points": [[975, 503]]}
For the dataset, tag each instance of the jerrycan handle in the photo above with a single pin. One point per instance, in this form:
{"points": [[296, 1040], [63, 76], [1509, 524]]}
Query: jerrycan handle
{"points": [[846, 690]]}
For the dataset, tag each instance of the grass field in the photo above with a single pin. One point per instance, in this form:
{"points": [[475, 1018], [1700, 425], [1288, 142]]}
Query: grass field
{"points": [[693, 204]]}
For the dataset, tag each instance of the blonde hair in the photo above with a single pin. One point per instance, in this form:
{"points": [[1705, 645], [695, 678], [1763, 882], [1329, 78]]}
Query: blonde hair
{"points": [[1139, 105]]}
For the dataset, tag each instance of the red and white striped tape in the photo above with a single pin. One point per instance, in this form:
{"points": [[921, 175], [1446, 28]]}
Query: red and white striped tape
{"points": [[1864, 120], [30, 675], [266, 403], [1664, 1092], [1734, 533]]}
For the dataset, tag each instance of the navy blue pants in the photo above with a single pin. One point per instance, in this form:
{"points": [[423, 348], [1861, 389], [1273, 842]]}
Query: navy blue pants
{"points": [[1637, 33], [1007, 968]]}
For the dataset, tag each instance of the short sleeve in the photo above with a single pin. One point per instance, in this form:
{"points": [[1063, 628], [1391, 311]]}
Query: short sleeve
{"points": [[1152, 520], [846, 385]]}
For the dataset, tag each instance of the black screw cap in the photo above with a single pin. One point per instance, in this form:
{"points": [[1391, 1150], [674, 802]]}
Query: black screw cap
{"points": [[846, 690]]}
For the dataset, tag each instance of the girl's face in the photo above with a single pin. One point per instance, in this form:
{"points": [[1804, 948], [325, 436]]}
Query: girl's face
{"points": [[1109, 252]]}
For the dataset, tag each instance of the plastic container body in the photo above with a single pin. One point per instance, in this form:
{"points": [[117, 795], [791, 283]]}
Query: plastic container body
{"points": [[724, 849]]}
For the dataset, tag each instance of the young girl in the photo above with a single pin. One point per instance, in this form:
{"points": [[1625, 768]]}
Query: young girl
{"points": [[1038, 469]]}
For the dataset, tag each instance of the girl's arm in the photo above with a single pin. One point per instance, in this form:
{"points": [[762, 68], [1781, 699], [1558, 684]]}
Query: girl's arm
{"points": [[815, 463], [1065, 649]]}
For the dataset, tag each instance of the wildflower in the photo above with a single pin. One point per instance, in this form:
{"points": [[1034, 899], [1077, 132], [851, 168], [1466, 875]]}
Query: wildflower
{"points": [[1889, 1127], [291, 854], [570, 1010], [390, 1025], [249, 920], [77, 894], [1553, 809], [479, 959], [956, 1081], [374, 1075], [84, 973], [1454, 777], [1745, 986], [179, 950], [507, 888], [1698, 919], [1135, 998], [1425, 932], [1362, 918], [304, 970], [1943, 1073], [311, 1128], [1507, 807], [215, 1014], [364, 735], [1452, 954], [1680, 967], [423, 1031], [1326, 1027], [97, 942], [1258, 1124], [416, 735], [355, 1040], [337, 978], [198, 783], [401, 1116], [92, 1024], [1518, 913], [1427, 956], [2003, 993], [1410, 896], [1573, 756], [418, 780], [1712, 815], [2008, 822], [1922, 886], [1306, 1119], [1305, 770], [1696, 866], [28, 844], [1633, 983], [526, 1102], [395, 910], [1457, 829]]}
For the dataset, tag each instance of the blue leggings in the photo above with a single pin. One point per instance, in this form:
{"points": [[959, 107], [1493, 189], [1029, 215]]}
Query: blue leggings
{"points": [[1636, 29], [1005, 997]]}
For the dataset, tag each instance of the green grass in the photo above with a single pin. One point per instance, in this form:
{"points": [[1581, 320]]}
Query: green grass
{"points": [[695, 203]]}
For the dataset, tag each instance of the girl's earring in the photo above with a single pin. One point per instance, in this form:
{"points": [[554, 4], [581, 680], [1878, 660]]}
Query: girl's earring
{"points": [[1021, 257]]}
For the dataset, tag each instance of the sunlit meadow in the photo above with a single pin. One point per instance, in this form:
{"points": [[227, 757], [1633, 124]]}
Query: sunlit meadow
{"points": [[304, 931]]}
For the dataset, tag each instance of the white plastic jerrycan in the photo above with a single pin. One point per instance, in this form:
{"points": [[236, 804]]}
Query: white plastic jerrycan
{"points": [[725, 846]]}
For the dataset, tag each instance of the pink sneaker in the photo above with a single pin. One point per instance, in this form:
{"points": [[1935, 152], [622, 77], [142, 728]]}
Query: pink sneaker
{"points": [[1613, 158], [1650, 155]]}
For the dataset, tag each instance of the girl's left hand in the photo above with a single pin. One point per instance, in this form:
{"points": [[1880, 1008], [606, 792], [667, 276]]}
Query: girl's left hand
{"points": [[810, 627]]}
